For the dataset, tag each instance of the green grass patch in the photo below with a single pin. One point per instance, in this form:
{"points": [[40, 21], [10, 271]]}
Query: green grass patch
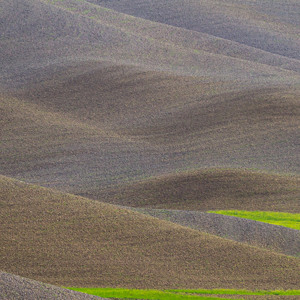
{"points": [[238, 292], [176, 294], [277, 218], [140, 294]]}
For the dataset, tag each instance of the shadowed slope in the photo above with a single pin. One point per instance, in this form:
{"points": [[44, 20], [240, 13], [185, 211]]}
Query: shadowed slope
{"points": [[277, 238], [68, 240], [14, 287], [211, 189]]}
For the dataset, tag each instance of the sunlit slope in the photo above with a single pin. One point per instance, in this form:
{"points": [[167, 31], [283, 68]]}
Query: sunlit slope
{"points": [[182, 38], [58, 32], [68, 240], [210, 190], [272, 26]]}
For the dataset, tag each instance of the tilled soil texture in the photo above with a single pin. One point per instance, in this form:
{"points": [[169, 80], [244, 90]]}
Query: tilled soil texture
{"points": [[67, 240], [209, 189], [13, 287], [272, 237], [92, 97], [96, 97], [262, 24]]}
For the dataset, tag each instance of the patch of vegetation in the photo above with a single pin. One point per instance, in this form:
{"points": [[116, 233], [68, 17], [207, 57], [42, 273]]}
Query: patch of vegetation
{"points": [[238, 292], [277, 218], [180, 294], [139, 294]]}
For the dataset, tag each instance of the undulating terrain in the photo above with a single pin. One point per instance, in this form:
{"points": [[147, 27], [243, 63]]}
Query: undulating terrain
{"points": [[123, 122], [67, 240]]}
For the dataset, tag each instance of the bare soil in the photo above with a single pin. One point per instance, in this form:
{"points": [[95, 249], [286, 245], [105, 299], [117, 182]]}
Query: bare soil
{"points": [[272, 237], [210, 189], [71, 241]]}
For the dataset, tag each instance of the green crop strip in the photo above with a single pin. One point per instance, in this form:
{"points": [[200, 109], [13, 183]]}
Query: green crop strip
{"points": [[140, 294], [176, 294], [238, 292], [276, 218]]}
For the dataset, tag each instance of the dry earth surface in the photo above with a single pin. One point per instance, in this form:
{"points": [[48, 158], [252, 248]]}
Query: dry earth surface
{"points": [[93, 97], [176, 104], [72, 241], [209, 189], [273, 237]]}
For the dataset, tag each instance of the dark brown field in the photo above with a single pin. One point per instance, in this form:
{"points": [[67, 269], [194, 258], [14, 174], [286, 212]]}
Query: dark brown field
{"points": [[177, 104], [211, 189]]}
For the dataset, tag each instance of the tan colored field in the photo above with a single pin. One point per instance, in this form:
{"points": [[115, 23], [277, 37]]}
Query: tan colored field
{"points": [[95, 129], [68, 240]]}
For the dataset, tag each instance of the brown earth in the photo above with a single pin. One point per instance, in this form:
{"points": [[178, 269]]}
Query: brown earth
{"points": [[162, 104], [73, 135], [91, 97], [273, 237], [71, 241], [210, 189], [80, 31]]}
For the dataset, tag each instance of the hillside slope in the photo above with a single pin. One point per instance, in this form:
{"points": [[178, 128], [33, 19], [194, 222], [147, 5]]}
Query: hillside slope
{"points": [[97, 128], [92, 97], [67, 240], [59, 32], [273, 237]]}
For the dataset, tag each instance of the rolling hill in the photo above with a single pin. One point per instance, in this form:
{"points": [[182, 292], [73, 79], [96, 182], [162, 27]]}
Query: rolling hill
{"points": [[267, 25], [122, 122], [273, 237], [67, 240], [210, 189], [111, 97]]}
